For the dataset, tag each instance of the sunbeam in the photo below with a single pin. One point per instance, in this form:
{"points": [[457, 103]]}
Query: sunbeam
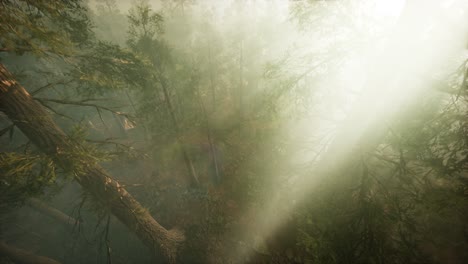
{"points": [[234, 131]]}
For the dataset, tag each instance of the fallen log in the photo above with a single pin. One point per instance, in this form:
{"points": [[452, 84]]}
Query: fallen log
{"points": [[21, 256]]}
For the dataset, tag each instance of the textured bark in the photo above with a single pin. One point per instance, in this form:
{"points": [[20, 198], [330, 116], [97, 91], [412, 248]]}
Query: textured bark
{"points": [[22, 256], [34, 121]]}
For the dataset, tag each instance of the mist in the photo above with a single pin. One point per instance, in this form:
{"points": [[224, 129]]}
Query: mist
{"points": [[253, 131]]}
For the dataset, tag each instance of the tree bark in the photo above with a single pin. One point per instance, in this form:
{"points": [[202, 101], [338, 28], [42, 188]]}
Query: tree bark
{"points": [[58, 215], [38, 126], [188, 161], [22, 256]]}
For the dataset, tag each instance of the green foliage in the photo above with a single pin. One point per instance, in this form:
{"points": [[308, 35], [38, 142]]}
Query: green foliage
{"points": [[80, 154], [24, 176], [107, 67], [145, 25], [195, 78], [43, 26], [406, 183]]}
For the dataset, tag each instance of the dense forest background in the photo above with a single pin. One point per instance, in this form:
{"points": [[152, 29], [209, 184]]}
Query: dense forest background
{"points": [[235, 131]]}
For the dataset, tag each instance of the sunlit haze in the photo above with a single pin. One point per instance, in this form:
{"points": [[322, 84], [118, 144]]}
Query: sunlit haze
{"points": [[234, 131]]}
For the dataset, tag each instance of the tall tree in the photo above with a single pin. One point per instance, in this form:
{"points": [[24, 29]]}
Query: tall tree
{"points": [[145, 38], [61, 28]]}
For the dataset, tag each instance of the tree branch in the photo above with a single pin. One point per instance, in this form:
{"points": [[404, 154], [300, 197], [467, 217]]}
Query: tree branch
{"points": [[52, 212], [22, 256], [38, 90], [84, 102]]}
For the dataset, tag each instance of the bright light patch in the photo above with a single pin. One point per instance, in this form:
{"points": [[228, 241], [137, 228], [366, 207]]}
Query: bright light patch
{"points": [[391, 8], [378, 76]]}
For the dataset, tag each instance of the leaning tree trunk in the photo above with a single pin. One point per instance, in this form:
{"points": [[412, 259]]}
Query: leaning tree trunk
{"points": [[34, 121], [53, 213], [21, 256]]}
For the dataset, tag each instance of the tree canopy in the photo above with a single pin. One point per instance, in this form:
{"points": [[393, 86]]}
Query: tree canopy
{"points": [[233, 131]]}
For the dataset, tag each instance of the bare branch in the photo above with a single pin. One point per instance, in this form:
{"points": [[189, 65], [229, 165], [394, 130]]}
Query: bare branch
{"points": [[53, 110], [6, 129], [53, 213], [84, 102], [38, 90]]}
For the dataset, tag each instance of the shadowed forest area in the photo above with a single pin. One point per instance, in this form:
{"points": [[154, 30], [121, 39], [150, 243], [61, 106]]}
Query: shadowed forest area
{"points": [[234, 131]]}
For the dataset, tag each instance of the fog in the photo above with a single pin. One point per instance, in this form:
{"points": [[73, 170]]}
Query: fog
{"points": [[254, 131]]}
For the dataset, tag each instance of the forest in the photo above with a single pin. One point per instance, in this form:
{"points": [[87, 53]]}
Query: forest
{"points": [[234, 131]]}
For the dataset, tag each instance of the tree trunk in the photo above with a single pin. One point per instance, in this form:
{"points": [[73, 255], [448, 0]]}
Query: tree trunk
{"points": [[188, 161], [58, 215], [33, 120], [22, 256]]}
